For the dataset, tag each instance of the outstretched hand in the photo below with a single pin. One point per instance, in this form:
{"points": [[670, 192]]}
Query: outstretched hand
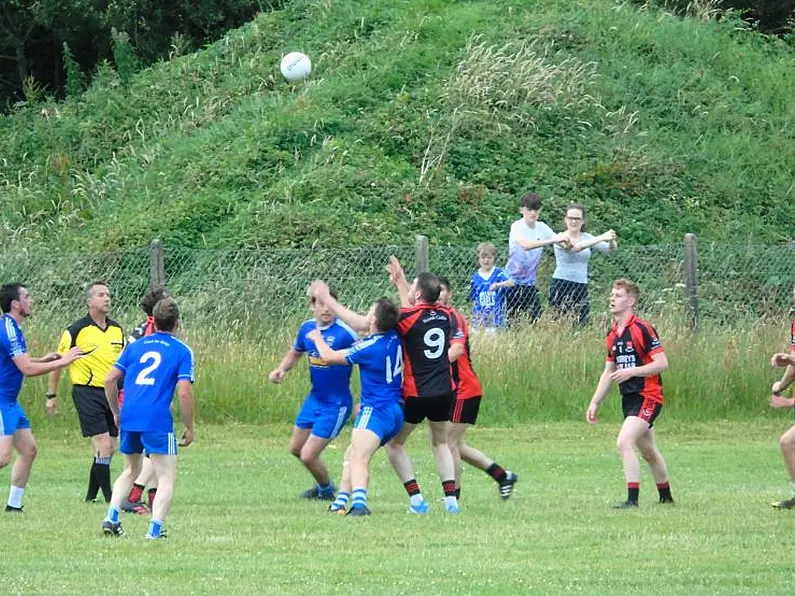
{"points": [[395, 270]]}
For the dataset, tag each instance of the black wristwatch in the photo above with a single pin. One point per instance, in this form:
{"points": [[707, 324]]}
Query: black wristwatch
{"points": [[52, 395]]}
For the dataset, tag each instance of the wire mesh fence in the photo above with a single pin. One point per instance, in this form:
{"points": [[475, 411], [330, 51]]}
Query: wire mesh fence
{"points": [[250, 289]]}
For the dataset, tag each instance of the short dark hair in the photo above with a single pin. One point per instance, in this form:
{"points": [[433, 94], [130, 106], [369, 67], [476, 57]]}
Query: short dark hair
{"points": [[154, 295], [531, 201], [429, 287], [445, 283], [166, 313], [9, 293], [332, 292], [386, 314], [90, 287]]}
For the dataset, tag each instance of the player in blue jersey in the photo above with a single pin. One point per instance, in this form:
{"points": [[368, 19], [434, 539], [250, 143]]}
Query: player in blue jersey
{"points": [[380, 418], [15, 364], [487, 291], [328, 406], [153, 368]]}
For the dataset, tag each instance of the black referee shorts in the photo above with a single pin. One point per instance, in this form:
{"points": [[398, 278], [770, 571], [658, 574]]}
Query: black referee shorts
{"points": [[93, 411]]}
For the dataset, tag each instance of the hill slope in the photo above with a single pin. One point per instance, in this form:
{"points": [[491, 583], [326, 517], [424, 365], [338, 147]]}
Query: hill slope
{"points": [[424, 116]]}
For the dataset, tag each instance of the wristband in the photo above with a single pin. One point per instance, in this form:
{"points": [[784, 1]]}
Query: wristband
{"points": [[51, 395]]}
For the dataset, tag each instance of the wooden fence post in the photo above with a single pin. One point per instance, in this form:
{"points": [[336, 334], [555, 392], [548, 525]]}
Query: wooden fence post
{"points": [[421, 257], [157, 266], [691, 280]]}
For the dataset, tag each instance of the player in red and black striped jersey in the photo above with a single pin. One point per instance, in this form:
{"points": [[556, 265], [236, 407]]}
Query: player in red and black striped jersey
{"points": [[426, 329], [787, 441], [635, 359], [467, 405], [147, 476]]}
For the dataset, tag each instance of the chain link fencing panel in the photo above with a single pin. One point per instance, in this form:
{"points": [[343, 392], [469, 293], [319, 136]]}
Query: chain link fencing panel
{"points": [[249, 290]]}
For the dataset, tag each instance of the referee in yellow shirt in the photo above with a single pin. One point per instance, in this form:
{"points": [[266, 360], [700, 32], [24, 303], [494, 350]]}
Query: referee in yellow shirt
{"points": [[101, 340]]}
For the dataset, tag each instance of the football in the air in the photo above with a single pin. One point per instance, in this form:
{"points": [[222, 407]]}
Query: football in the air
{"points": [[296, 66]]}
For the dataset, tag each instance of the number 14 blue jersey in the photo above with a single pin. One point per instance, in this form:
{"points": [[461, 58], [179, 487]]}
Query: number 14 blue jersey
{"points": [[380, 360], [152, 366]]}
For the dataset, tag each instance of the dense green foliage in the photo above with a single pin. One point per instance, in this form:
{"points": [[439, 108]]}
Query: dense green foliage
{"points": [[426, 116]]}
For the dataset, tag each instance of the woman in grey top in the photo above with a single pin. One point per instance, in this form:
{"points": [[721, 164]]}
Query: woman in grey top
{"points": [[568, 290]]}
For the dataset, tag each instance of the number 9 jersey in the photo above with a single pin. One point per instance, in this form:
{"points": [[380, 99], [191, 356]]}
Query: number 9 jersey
{"points": [[152, 366], [426, 331]]}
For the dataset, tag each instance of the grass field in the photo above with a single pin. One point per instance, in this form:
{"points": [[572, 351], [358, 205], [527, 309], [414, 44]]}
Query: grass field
{"points": [[238, 526]]}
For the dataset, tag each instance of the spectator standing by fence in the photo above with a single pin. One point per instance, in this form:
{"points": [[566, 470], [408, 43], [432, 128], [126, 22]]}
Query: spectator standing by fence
{"points": [[526, 243], [568, 290]]}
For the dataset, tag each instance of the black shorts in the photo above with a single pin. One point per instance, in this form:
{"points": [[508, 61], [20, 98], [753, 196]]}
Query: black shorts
{"points": [[435, 409], [465, 411], [93, 411], [645, 408], [524, 302]]}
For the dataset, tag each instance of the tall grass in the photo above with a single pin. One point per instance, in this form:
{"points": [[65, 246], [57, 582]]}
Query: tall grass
{"points": [[541, 373]]}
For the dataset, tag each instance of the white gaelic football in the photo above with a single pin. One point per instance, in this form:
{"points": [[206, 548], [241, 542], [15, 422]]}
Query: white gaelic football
{"points": [[296, 66]]}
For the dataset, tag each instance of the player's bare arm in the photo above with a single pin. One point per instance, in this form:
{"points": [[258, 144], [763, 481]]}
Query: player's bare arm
{"points": [[398, 278], [658, 364], [456, 351], [290, 359], [112, 391], [329, 355], [602, 387], [31, 367], [320, 291], [186, 407], [560, 239]]}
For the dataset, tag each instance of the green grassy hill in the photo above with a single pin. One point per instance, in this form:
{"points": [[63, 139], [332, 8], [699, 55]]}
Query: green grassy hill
{"points": [[421, 116]]}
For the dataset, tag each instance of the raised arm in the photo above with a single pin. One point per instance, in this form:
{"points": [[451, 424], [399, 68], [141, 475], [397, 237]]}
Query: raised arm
{"points": [[398, 278], [531, 244], [608, 237], [319, 289], [328, 354]]}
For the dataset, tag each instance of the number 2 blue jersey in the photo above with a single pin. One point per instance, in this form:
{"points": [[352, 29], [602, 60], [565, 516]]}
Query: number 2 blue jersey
{"points": [[12, 345], [488, 306], [330, 383], [152, 366], [380, 360]]}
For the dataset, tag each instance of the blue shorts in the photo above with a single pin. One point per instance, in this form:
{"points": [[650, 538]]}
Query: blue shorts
{"points": [[133, 442], [12, 419], [325, 419], [384, 422]]}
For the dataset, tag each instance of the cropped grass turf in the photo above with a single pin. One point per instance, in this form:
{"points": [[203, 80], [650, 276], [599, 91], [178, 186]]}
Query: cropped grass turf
{"points": [[238, 526]]}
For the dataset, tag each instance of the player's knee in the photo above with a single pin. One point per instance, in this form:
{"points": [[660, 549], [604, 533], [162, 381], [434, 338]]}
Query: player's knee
{"points": [[30, 451], [624, 444], [5, 459], [787, 441], [307, 456], [295, 450]]}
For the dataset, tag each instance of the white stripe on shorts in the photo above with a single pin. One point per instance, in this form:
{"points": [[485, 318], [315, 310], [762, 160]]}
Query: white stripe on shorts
{"points": [[172, 444], [365, 417], [340, 420]]}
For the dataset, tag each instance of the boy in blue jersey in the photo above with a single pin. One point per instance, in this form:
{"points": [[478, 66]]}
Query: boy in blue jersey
{"points": [[15, 365], [487, 291], [153, 368], [328, 406], [380, 360]]}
